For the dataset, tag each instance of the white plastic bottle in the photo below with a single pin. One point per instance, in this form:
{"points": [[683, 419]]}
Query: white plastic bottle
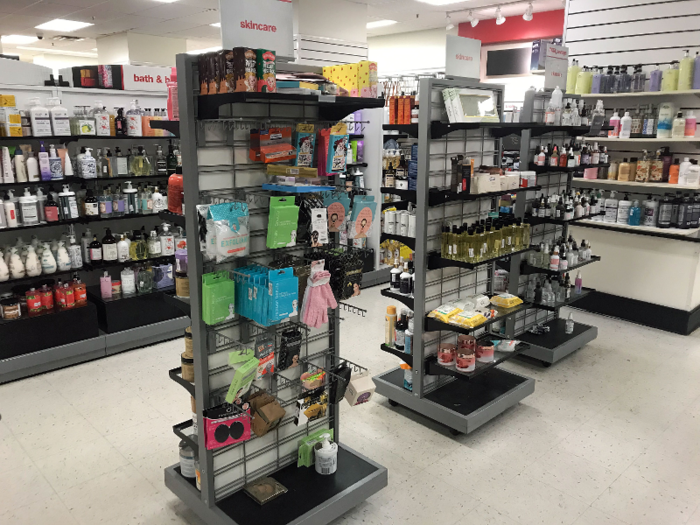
{"points": [[27, 203], [664, 128], [128, 281], [623, 210], [20, 167], [678, 130], [88, 165], [557, 102], [8, 172], [11, 211], [32, 168], [64, 263], [651, 209], [611, 208], [39, 118], [326, 461], [683, 170], [615, 123], [159, 202], [626, 126], [48, 261], [32, 265], [692, 176], [60, 120]]}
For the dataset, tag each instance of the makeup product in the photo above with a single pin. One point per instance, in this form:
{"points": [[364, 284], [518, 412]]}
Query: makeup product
{"points": [[389, 325]]}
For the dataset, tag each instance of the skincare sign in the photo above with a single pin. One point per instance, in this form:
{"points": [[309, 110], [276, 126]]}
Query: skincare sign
{"points": [[463, 57], [556, 65], [258, 24]]}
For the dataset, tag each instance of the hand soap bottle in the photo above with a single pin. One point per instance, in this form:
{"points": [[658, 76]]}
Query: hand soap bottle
{"points": [[88, 165], [685, 72]]}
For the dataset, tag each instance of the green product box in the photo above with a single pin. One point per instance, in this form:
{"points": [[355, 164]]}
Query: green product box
{"points": [[306, 447], [266, 71], [218, 294], [242, 379], [282, 224]]}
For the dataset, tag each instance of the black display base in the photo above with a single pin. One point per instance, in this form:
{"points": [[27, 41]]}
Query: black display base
{"points": [[640, 312], [32, 334], [132, 311]]}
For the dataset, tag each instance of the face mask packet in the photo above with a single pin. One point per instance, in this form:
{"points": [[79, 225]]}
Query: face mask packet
{"points": [[363, 210], [207, 234], [231, 229], [319, 227], [338, 207]]}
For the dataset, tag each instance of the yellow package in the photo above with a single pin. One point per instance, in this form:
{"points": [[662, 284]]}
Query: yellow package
{"points": [[506, 300], [347, 78], [7, 101], [367, 79], [444, 312], [467, 321]]}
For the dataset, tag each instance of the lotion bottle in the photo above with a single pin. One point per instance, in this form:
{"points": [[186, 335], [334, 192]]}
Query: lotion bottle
{"points": [[615, 123], [64, 262], [32, 168], [11, 211], [88, 165], [48, 262], [678, 130], [20, 167], [55, 164], [664, 128], [685, 72], [626, 126], [32, 265], [44, 164]]}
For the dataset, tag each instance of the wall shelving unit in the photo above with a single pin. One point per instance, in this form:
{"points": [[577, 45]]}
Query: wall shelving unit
{"points": [[210, 147]]}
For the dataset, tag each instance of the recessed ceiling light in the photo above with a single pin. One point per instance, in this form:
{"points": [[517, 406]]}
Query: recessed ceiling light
{"points": [[380, 23], [217, 24], [440, 2], [63, 26], [166, 1], [206, 50], [18, 39]]}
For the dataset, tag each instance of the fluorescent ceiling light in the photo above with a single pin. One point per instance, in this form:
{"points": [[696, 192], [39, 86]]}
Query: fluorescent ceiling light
{"points": [[500, 19], [18, 39], [59, 52], [217, 24], [440, 2], [380, 23], [94, 49], [63, 26], [528, 13], [166, 1], [206, 50]]}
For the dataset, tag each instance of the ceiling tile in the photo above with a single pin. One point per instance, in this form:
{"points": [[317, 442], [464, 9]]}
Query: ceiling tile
{"points": [[51, 10], [170, 11], [205, 31], [121, 24], [111, 9], [78, 4]]}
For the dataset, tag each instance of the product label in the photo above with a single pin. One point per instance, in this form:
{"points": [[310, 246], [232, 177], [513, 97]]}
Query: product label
{"points": [[76, 259], [61, 125], [73, 208], [89, 168], [134, 126], [87, 127], [102, 128], [91, 209], [167, 244], [29, 214], [122, 166], [128, 283], [95, 254], [51, 213], [41, 125], [399, 337], [109, 252]]}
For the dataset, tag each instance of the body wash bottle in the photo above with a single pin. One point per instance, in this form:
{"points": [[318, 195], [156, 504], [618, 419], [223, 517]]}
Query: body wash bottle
{"points": [[44, 164], [88, 166], [655, 79], [669, 80], [685, 72], [678, 130]]}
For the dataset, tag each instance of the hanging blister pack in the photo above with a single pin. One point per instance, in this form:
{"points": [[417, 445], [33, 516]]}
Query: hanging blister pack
{"points": [[282, 223], [363, 209], [265, 354], [207, 233], [319, 227], [231, 230]]}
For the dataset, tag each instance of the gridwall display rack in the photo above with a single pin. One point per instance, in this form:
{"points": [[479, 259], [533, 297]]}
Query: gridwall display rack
{"points": [[215, 131], [556, 344], [463, 401]]}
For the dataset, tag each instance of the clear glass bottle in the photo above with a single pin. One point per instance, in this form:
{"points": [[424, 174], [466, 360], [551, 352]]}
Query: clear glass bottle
{"points": [[118, 204], [154, 247], [105, 201], [146, 200], [140, 164], [120, 164], [82, 123], [138, 249], [161, 162], [134, 120]]}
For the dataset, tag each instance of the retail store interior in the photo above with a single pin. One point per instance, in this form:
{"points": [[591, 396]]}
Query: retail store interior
{"points": [[349, 262]]}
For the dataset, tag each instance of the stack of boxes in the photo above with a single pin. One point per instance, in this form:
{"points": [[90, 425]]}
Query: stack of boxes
{"points": [[413, 169], [360, 79], [10, 118]]}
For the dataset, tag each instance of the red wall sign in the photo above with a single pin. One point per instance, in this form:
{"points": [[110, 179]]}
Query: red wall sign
{"points": [[547, 24]]}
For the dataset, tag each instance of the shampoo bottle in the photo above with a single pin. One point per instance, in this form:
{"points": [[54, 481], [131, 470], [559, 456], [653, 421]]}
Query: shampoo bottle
{"points": [[63, 259], [685, 72], [635, 214], [623, 210], [691, 124], [29, 212], [48, 262], [20, 167], [611, 208], [655, 79], [32, 168], [615, 123], [669, 80], [44, 164], [696, 71], [32, 265], [664, 128], [626, 126]]}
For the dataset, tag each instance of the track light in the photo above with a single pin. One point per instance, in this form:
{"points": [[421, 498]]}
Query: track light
{"points": [[449, 25], [500, 19], [472, 19], [528, 13]]}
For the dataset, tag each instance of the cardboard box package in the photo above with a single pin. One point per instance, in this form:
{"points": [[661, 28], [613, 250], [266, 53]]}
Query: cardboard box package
{"points": [[266, 71], [367, 79], [239, 71]]}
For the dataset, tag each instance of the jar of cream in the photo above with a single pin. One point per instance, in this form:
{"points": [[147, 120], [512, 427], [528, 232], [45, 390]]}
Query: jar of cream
{"points": [[485, 352], [466, 360], [446, 354]]}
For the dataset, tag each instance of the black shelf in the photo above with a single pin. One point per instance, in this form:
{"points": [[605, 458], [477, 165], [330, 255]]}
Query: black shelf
{"points": [[356, 136], [403, 299], [333, 108], [408, 129], [408, 241], [554, 307], [181, 303], [77, 180], [406, 195], [102, 265], [406, 358], [81, 220], [174, 218], [435, 262], [556, 169], [176, 375], [535, 221], [526, 269], [74, 138], [439, 197], [399, 205], [173, 126], [433, 325], [501, 129], [357, 165], [433, 368]]}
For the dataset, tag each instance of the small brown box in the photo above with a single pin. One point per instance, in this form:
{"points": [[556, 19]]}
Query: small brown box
{"points": [[239, 71]]}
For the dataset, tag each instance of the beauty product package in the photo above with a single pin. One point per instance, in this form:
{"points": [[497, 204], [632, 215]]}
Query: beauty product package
{"points": [[239, 71], [363, 210], [319, 227], [305, 143], [266, 71], [225, 425], [271, 145], [290, 348], [282, 224], [242, 379], [311, 406], [284, 300], [265, 354], [218, 298], [266, 411], [305, 457], [360, 389], [231, 230], [338, 206]]}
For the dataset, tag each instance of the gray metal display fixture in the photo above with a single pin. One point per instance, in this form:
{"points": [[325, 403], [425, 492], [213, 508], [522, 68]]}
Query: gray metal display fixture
{"points": [[462, 402], [557, 344], [215, 131]]}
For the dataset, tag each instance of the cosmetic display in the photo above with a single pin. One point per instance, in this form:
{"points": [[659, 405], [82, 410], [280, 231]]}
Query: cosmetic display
{"points": [[303, 259]]}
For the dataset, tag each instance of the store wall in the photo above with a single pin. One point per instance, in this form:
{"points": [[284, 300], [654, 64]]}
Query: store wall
{"points": [[412, 52], [340, 20]]}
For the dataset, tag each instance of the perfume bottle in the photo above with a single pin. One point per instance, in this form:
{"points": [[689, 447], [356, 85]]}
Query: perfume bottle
{"points": [[161, 162], [144, 280], [140, 164], [120, 126], [154, 246]]}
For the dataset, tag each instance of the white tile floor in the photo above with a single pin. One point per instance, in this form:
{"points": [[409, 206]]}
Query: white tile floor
{"points": [[611, 436]]}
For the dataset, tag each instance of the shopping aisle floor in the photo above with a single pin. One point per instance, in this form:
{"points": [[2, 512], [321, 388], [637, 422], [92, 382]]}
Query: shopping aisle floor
{"points": [[611, 436]]}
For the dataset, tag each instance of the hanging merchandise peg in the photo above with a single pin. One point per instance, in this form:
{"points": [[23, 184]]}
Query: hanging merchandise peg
{"points": [[352, 309]]}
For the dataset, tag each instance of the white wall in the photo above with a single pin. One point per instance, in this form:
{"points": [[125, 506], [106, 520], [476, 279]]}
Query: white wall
{"points": [[113, 49], [154, 50], [412, 52], [339, 19], [57, 62]]}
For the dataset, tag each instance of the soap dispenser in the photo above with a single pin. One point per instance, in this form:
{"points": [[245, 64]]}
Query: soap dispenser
{"points": [[88, 165], [635, 214], [44, 164], [63, 258], [32, 264], [55, 164], [4, 271], [17, 270], [326, 453]]}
